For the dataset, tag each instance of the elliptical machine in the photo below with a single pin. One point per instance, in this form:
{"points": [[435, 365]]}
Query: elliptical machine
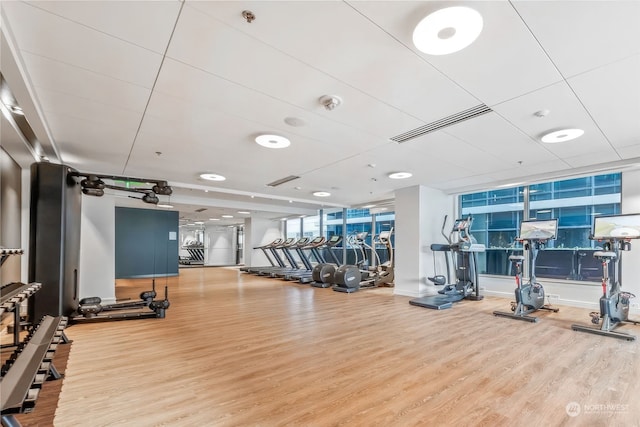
{"points": [[530, 296], [463, 248], [351, 278], [615, 231]]}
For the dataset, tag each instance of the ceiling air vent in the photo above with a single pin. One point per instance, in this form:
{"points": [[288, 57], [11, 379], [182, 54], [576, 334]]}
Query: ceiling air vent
{"points": [[476, 111], [282, 181]]}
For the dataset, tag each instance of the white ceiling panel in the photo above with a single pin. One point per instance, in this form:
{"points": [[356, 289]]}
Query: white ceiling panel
{"points": [[500, 139], [586, 159], [80, 46], [611, 95], [442, 146], [87, 109], [581, 35], [504, 62], [96, 73], [354, 51], [145, 23], [63, 78], [200, 90], [265, 69]]}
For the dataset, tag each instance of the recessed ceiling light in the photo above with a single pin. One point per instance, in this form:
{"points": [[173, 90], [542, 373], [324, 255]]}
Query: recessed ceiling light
{"points": [[244, 212], [162, 205], [295, 121], [226, 216], [368, 206], [214, 219], [321, 194], [212, 177], [562, 135], [400, 175], [199, 222], [273, 141], [447, 30]]}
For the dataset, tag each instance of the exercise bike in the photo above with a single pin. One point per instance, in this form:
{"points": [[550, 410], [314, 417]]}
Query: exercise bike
{"points": [[614, 302], [530, 296]]}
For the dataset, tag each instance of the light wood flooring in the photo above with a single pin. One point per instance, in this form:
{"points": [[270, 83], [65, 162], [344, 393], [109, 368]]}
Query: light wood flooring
{"points": [[241, 350]]}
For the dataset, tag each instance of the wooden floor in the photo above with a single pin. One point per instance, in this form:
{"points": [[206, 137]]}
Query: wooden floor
{"points": [[239, 350]]}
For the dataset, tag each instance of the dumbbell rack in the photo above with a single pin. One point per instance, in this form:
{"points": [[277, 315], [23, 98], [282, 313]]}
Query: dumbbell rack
{"points": [[12, 296]]}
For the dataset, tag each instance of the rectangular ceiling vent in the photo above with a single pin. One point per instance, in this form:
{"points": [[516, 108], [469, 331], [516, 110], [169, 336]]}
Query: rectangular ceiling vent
{"points": [[200, 210], [282, 181], [476, 111]]}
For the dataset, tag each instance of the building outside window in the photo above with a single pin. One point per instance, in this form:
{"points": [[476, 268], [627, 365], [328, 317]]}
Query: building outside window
{"points": [[574, 202]]}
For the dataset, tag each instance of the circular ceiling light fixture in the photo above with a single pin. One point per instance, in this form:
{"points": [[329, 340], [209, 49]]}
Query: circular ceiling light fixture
{"points": [[244, 212], [214, 219], [162, 205], [226, 216], [562, 135], [273, 141], [447, 30], [321, 194], [212, 177], [400, 175]]}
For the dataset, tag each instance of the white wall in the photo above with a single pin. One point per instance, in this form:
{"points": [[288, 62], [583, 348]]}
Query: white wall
{"points": [[97, 249], [258, 232], [419, 214], [221, 245]]}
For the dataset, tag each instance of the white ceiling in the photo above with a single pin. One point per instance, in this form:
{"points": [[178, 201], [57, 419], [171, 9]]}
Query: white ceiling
{"points": [[109, 84]]}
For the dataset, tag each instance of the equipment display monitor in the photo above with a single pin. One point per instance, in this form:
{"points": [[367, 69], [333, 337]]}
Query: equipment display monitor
{"points": [[616, 227], [539, 229], [460, 224]]}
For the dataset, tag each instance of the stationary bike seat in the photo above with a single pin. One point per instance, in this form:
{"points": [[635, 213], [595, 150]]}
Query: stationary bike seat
{"points": [[604, 255]]}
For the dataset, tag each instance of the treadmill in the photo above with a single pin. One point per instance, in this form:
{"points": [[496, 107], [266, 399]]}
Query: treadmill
{"points": [[297, 247], [265, 271], [315, 253], [264, 248], [284, 247]]}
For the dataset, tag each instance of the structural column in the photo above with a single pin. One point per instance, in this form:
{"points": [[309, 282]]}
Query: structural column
{"points": [[419, 212]]}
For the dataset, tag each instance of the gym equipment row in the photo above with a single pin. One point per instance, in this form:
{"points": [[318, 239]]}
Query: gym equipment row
{"points": [[30, 364], [343, 278]]}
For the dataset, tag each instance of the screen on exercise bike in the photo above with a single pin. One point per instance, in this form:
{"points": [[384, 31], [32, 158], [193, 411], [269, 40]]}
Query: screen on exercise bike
{"points": [[539, 229], [616, 227]]}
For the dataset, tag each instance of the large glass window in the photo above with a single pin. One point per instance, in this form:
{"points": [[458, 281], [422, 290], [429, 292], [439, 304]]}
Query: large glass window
{"points": [[294, 228], [574, 202], [311, 226]]}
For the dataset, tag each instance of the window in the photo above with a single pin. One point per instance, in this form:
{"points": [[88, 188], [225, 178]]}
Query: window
{"points": [[574, 202], [311, 226], [294, 228]]}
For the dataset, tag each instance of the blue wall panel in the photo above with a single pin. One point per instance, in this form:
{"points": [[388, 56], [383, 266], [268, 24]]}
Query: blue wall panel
{"points": [[146, 243]]}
